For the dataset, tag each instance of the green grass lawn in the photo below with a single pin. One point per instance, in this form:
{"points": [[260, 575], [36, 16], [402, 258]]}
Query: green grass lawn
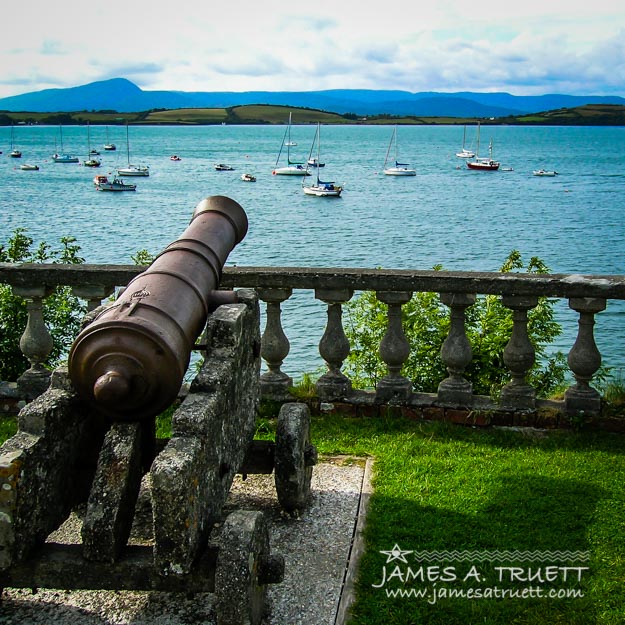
{"points": [[439, 487], [484, 493]]}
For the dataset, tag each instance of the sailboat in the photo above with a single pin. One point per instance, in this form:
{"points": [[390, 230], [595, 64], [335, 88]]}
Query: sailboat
{"points": [[320, 188], [292, 168], [108, 145], [483, 163], [399, 169], [464, 152], [61, 157], [14, 153], [132, 170], [90, 162]]}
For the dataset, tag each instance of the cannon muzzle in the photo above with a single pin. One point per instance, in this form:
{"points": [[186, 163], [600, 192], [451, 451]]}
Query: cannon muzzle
{"points": [[131, 360]]}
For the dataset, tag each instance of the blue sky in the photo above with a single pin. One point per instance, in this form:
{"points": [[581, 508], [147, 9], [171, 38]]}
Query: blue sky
{"points": [[527, 48]]}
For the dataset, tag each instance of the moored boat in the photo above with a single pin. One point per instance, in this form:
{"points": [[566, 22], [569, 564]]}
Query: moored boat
{"points": [[113, 185], [483, 163], [132, 170], [398, 169], [292, 168], [319, 188], [63, 157], [544, 172], [223, 167], [248, 178], [29, 167]]}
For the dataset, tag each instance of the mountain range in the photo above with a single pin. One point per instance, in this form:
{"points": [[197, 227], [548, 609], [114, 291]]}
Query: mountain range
{"points": [[123, 96]]}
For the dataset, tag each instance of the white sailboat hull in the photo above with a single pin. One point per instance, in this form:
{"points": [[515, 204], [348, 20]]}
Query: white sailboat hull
{"points": [[400, 171], [291, 170]]}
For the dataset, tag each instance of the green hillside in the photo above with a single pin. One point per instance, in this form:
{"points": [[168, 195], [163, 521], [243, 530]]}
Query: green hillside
{"points": [[588, 115]]}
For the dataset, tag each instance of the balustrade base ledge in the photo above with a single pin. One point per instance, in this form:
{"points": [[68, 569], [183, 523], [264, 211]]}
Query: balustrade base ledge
{"points": [[548, 414]]}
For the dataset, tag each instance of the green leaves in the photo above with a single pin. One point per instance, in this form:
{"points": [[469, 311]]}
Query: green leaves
{"points": [[62, 311], [488, 324]]}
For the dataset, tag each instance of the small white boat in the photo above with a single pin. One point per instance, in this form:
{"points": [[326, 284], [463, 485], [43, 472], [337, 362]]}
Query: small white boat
{"points": [[108, 145], [28, 167], [132, 170], [61, 157], [90, 161], [319, 188], [291, 168], [544, 172], [174, 157], [314, 162], [64, 158], [248, 178], [115, 185], [398, 169], [223, 167], [14, 153], [465, 152]]}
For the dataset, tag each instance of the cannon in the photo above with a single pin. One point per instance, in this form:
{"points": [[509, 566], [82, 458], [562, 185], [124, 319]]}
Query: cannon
{"points": [[131, 360], [125, 366]]}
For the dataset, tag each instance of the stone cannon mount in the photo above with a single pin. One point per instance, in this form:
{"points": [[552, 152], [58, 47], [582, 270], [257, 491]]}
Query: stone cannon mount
{"points": [[65, 455]]}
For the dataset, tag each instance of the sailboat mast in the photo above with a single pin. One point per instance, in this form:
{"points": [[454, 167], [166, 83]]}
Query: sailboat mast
{"points": [[318, 150], [127, 145]]}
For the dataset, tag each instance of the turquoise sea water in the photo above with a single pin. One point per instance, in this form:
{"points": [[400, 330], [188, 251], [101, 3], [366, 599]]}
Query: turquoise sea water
{"points": [[446, 214]]}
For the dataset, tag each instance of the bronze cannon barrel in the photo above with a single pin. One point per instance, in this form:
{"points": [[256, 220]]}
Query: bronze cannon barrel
{"points": [[131, 359]]}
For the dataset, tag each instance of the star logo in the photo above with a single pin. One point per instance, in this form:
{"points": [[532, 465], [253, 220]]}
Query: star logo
{"points": [[396, 553]]}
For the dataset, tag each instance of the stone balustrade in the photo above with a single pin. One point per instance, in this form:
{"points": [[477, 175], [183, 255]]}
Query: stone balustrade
{"points": [[587, 296]]}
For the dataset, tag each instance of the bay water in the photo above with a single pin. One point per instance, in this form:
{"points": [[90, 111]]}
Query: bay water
{"points": [[446, 214]]}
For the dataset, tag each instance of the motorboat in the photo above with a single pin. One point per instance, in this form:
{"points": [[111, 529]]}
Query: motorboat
{"points": [[223, 167], [114, 185], [174, 157], [314, 162], [544, 172], [248, 178], [28, 167]]}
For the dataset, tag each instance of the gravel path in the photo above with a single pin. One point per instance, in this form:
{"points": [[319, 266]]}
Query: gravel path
{"points": [[316, 548]]}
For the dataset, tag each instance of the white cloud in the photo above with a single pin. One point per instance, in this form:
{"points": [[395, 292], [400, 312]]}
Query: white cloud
{"points": [[530, 47]]}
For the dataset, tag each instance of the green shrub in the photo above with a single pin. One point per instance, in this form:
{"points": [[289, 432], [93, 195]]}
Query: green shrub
{"points": [[62, 311], [426, 321]]}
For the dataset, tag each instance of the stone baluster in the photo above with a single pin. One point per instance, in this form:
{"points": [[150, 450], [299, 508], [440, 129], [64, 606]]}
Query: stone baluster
{"points": [[35, 343], [275, 345], [93, 293], [456, 352], [584, 358], [394, 350], [334, 346], [519, 354]]}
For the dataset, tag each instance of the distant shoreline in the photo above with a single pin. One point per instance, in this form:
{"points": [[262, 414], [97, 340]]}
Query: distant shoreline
{"points": [[587, 115]]}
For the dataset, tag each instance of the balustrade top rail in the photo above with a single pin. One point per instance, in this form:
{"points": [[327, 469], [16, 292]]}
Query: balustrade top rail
{"points": [[496, 283], [587, 295]]}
